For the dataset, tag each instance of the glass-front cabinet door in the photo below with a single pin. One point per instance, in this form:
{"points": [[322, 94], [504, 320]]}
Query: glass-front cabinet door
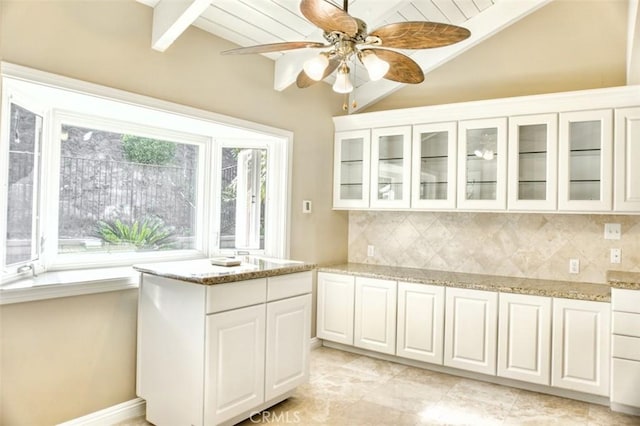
{"points": [[482, 164], [391, 167], [585, 161], [434, 166], [533, 161], [351, 169]]}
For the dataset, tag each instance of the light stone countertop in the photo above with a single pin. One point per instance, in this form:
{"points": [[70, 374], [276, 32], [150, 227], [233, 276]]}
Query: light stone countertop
{"points": [[201, 271], [536, 287], [622, 279]]}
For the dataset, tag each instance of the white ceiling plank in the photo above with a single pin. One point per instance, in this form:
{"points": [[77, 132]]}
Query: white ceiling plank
{"points": [[430, 11], [633, 43], [467, 7], [451, 11], [482, 4], [171, 18], [494, 19]]}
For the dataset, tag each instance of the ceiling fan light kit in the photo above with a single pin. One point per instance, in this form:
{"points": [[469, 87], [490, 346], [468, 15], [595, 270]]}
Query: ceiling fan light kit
{"points": [[348, 40]]}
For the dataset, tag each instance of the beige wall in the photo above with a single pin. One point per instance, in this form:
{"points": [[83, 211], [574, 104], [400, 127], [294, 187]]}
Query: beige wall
{"points": [[511, 244], [565, 45], [82, 358]]}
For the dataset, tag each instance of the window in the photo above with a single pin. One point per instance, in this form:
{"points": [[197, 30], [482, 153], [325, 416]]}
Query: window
{"points": [[96, 181]]}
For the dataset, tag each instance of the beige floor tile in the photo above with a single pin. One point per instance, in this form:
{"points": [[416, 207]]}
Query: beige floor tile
{"points": [[406, 396], [602, 416], [532, 408], [376, 367]]}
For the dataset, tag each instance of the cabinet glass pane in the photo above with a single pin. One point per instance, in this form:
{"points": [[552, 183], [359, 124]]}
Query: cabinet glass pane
{"points": [[532, 162], [433, 165], [482, 163], [351, 163], [390, 167], [584, 160]]}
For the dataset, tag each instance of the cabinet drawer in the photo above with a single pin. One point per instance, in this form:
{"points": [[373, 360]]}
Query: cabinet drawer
{"points": [[626, 347], [625, 376], [626, 324], [223, 297], [288, 285], [623, 300]]}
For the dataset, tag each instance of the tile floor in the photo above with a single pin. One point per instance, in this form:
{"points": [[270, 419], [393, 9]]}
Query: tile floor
{"points": [[354, 390]]}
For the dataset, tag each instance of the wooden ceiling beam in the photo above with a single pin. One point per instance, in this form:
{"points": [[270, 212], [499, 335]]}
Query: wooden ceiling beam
{"points": [[171, 18]]}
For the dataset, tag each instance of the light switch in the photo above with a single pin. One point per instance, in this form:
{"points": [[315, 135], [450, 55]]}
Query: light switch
{"points": [[306, 206], [612, 231]]}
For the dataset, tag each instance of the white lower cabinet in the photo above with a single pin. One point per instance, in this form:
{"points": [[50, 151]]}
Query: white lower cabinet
{"points": [[420, 328], [524, 338], [581, 346], [625, 351], [375, 315], [213, 354], [234, 367], [470, 330], [335, 307], [288, 335]]}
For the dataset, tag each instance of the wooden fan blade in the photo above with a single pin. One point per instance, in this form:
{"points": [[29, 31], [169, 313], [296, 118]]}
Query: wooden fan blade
{"points": [[304, 80], [402, 68], [274, 47], [328, 17], [419, 35]]}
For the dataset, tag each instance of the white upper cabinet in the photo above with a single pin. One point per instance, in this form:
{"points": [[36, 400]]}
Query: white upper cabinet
{"points": [[482, 164], [433, 179], [391, 167], [627, 161], [585, 161], [352, 151], [533, 162]]}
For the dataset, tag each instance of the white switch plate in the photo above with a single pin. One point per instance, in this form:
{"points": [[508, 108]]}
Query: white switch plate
{"points": [[612, 231], [306, 206], [616, 255], [371, 251], [574, 266]]}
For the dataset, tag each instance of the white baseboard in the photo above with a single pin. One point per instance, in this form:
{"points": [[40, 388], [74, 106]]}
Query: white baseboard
{"points": [[315, 343], [111, 415]]}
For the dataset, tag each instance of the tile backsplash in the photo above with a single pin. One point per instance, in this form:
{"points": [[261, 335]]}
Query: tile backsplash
{"points": [[528, 245]]}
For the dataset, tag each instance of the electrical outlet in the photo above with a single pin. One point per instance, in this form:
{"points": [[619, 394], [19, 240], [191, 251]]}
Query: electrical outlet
{"points": [[612, 231], [371, 250], [574, 266], [616, 255]]}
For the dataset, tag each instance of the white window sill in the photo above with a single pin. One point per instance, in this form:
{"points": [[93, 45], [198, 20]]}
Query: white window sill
{"points": [[50, 285]]}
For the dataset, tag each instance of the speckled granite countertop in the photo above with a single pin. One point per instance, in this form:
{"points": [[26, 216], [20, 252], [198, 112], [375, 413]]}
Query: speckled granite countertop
{"points": [[201, 271], [536, 287], [621, 279]]}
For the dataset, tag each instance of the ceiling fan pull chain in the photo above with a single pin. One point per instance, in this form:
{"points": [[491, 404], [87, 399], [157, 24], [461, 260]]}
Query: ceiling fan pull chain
{"points": [[345, 6]]}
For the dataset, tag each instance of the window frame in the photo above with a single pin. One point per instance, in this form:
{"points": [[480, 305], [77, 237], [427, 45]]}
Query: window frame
{"points": [[163, 120]]}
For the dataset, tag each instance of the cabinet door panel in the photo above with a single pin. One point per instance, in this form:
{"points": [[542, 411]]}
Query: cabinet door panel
{"points": [[433, 170], [533, 160], [482, 164], [375, 315], [288, 336], [581, 346], [585, 161], [524, 339], [234, 370], [391, 167], [471, 330], [625, 378], [627, 152], [420, 322], [351, 169], [335, 307]]}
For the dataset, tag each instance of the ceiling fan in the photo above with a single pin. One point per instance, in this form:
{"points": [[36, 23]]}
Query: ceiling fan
{"points": [[348, 40]]}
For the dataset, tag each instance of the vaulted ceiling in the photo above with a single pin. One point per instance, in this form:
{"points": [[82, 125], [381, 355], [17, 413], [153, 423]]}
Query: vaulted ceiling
{"points": [[252, 22]]}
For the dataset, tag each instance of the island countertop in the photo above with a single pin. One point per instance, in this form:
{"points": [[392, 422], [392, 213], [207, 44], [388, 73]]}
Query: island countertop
{"points": [[537, 287], [201, 271]]}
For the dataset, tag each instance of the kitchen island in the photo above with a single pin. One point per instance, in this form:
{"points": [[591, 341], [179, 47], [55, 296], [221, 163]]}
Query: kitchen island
{"points": [[217, 344]]}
